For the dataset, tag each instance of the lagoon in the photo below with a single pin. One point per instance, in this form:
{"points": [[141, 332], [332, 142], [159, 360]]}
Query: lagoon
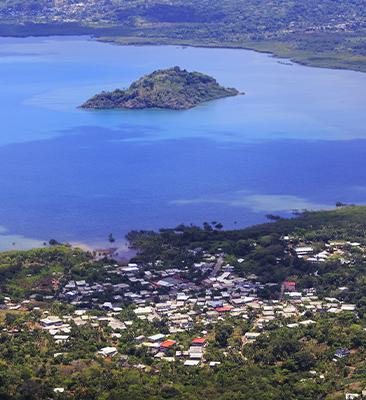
{"points": [[296, 140]]}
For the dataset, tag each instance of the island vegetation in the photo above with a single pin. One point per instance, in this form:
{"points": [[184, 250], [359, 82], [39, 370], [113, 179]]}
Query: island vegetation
{"points": [[172, 88]]}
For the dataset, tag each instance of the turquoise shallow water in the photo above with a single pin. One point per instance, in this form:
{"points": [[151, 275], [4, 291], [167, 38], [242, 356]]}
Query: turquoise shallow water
{"points": [[297, 139]]}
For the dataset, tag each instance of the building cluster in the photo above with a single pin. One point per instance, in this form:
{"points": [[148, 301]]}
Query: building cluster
{"points": [[163, 295], [185, 305], [99, 12], [60, 11], [183, 312], [342, 250]]}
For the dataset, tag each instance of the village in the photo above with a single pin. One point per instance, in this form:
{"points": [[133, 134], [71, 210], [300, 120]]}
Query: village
{"points": [[65, 11], [146, 315], [184, 305], [105, 12]]}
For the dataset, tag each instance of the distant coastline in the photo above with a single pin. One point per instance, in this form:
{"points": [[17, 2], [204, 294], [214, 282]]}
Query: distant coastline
{"points": [[121, 36]]}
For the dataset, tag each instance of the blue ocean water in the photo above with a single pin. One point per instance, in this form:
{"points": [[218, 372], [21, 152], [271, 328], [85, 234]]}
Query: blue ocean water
{"points": [[295, 140]]}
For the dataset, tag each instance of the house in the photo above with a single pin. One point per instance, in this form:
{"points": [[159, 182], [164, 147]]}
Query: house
{"points": [[197, 348], [348, 307], [294, 295], [200, 342], [163, 307], [167, 344], [156, 338], [61, 338], [182, 297], [322, 256], [143, 310], [191, 363], [116, 324], [215, 303], [51, 321], [342, 353], [108, 351], [307, 322], [289, 286], [107, 305], [238, 302], [224, 309], [167, 282], [70, 285], [303, 251], [130, 269], [252, 335], [214, 363]]}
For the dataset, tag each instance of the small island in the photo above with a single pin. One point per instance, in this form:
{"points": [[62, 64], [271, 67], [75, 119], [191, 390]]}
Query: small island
{"points": [[173, 88]]}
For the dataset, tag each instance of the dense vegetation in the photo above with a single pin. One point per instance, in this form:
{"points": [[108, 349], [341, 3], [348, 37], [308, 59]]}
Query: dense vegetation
{"points": [[41, 271], [330, 33], [275, 368], [170, 89]]}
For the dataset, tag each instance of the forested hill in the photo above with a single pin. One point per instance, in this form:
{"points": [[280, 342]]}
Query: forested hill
{"points": [[326, 33], [171, 88]]}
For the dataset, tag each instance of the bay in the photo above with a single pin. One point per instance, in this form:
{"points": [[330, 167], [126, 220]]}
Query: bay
{"points": [[295, 140]]}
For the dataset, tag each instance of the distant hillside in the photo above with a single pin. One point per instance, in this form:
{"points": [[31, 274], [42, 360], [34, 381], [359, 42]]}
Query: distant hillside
{"points": [[172, 88]]}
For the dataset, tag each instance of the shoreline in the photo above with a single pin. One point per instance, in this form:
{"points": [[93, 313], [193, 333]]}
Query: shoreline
{"points": [[131, 41], [123, 251], [276, 49]]}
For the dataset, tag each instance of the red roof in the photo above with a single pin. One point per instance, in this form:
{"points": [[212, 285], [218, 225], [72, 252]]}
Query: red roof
{"points": [[168, 343], [224, 309], [290, 283], [199, 340]]}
